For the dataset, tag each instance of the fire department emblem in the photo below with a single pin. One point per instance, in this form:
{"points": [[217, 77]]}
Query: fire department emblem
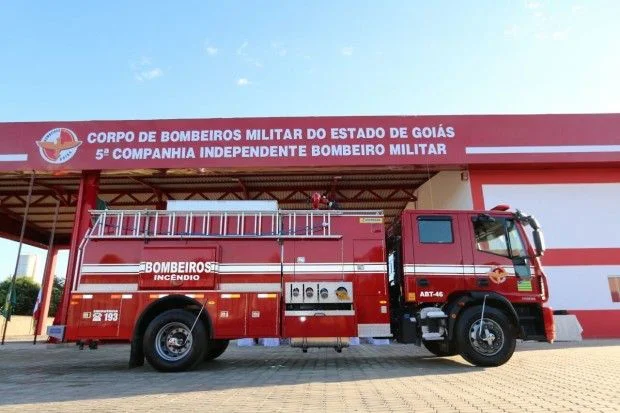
{"points": [[58, 145], [497, 275]]}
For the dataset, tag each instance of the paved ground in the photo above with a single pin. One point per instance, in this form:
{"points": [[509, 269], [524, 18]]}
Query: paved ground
{"points": [[540, 377]]}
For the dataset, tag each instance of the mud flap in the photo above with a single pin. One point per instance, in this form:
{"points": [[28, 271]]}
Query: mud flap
{"points": [[136, 355], [408, 330]]}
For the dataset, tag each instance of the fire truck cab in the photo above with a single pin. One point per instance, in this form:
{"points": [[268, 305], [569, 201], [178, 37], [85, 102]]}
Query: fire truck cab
{"points": [[179, 285], [468, 283]]}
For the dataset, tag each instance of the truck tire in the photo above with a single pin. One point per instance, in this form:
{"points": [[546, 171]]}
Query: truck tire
{"points": [[215, 349], [497, 343], [168, 344], [441, 348]]}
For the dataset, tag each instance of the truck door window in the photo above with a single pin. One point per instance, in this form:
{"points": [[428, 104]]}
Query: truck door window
{"points": [[435, 230], [517, 248], [500, 236], [491, 236]]}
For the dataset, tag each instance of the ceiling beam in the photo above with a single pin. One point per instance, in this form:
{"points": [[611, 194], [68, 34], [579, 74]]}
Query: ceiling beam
{"points": [[11, 224], [128, 200], [244, 189], [156, 190], [5, 195], [60, 193]]}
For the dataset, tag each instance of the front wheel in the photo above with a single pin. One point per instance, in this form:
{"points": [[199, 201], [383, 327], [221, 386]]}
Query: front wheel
{"points": [[170, 344], [215, 349], [441, 348], [487, 342]]}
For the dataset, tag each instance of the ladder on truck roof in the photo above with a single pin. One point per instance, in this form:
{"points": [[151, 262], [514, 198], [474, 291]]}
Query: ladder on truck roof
{"points": [[219, 224]]}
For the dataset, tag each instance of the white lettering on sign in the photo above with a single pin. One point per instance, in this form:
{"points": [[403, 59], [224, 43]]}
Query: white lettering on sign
{"points": [[176, 277], [153, 153], [357, 133], [272, 151], [176, 270], [348, 150], [433, 132], [104, 315], [175, 266], [226, 135], [273, 134], [438, 294], [110, 137], [276, 143], [418, 149]]}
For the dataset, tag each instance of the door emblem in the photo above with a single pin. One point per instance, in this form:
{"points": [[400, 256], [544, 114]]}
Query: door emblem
{"points": [[497, 275]]}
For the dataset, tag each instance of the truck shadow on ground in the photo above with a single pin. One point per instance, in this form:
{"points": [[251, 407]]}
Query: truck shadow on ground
{"points": [[68, 374], [536, 346]]}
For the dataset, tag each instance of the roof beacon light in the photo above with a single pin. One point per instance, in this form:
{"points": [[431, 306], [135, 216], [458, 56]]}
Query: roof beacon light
{"points": [[501, 207]]}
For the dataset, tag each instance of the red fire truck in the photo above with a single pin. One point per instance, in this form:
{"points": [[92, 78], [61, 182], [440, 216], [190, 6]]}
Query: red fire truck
{"points": [[179, 285]]}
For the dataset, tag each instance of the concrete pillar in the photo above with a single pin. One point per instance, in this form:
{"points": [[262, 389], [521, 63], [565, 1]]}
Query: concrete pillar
{"points": [[46, 286], [87, 200]]}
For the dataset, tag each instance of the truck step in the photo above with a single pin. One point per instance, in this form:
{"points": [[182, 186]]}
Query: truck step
{"points": [[434, 313], [432, 336]]}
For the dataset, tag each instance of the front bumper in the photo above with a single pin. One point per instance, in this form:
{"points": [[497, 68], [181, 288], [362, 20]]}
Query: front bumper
{"points": [[549, 323]]}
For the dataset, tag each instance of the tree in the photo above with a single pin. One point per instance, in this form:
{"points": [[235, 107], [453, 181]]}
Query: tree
{"points": [[57, 289], [26, 291]]}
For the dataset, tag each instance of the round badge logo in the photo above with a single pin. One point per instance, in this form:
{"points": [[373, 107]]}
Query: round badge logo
{"points": [[497, 275], [58, 145]]}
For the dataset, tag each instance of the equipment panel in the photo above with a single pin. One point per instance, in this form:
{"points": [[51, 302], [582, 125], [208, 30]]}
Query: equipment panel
{"points": [[319, 292]]}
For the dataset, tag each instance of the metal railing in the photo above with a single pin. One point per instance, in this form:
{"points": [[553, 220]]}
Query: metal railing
{"points": [[219, 224]]}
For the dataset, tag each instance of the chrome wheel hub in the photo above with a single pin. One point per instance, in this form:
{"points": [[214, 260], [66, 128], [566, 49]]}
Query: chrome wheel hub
{"points": [[486, 338], [173, 341]]}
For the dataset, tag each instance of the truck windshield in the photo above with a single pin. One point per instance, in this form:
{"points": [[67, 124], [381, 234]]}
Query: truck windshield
{"points": [[499, 236]]}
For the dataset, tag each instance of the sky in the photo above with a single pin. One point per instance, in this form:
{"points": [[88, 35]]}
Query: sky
{"points": [[8, 255], [139, 60], [78, 60]]}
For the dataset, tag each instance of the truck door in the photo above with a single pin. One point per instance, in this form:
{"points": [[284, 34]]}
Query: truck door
{"points": [[438, 257], [501, 261]]}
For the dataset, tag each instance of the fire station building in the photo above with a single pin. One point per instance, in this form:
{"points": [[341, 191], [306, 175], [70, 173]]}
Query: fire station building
{"points": [[562, 169]]}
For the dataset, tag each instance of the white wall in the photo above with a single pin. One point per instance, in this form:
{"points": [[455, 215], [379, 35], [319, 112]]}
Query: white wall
{"points": [[571, 215], [581, 287], [446, 190]]}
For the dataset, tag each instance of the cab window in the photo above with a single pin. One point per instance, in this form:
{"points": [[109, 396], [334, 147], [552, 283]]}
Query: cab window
{"points": [[499, 236], [516, 243], [435, 230]]}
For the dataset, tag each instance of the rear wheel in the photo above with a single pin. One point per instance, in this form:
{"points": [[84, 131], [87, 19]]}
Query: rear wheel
{"points": [[170, 344], [487, 342], [441, 348], [215, 349]]}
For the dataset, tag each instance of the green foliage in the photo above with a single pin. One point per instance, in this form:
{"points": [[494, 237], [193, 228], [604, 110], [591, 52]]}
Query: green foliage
{"points": [[26, 291], [57, 289]]}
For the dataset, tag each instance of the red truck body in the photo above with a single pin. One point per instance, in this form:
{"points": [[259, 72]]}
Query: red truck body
{"points": [[180, 285]]}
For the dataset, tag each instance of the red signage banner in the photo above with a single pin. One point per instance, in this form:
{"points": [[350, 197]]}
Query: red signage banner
{"points": [[309, 142], [177, 268]]}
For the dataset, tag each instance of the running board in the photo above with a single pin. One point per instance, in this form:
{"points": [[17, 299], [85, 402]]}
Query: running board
{"points": [[433, 337]]}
